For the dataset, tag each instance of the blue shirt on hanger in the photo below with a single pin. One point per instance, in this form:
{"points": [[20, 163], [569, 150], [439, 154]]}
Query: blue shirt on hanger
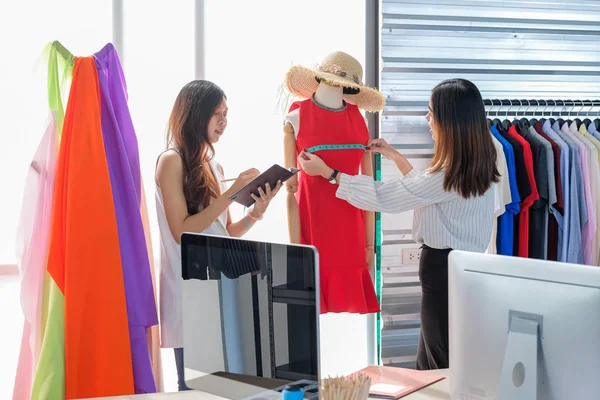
{"points": [[504, 237], [593, 131], [577, 216], [565, 168]]}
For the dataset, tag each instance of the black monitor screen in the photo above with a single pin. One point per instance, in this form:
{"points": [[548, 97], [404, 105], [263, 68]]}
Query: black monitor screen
{"points": [[249, 316]]}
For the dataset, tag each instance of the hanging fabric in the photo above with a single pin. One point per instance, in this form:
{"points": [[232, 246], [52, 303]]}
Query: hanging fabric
{"points": [[34, 228], [121, 148], [88, 286]]}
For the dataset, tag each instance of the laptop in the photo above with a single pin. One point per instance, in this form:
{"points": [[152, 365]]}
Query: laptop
{"points": [[250, 316]]}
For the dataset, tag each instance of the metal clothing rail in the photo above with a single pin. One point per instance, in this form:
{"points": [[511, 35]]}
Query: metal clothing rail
{"points": [[579, 108]]}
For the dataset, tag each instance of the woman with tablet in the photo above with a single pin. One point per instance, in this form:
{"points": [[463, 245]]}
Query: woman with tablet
{"points": [[453, 199], [191, 196]]}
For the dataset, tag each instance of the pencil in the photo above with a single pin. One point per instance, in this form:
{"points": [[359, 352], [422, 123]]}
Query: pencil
{"points": [[229, 180]]}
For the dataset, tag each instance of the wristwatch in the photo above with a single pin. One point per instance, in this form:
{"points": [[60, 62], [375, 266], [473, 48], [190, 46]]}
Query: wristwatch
{"points": [[333, 176]]}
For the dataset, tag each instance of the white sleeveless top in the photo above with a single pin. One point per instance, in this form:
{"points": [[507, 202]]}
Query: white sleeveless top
{"points": [[171, 315]]}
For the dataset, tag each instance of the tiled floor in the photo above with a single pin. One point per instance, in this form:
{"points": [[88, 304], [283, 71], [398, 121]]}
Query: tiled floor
{"points": [[11, 325]]}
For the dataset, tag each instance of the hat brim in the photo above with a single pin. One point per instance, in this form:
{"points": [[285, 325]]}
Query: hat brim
{"points": [[301, 82]]}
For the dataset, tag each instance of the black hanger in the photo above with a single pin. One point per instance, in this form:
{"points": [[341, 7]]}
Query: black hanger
{"points": [[506, 124], [532, 120], [587, 122], [552, 120], [577, 121], [524, 121], [543, 118], [561, 121]]}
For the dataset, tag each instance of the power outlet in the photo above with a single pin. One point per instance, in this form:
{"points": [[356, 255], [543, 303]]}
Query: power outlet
{"points": [[411, 256]]}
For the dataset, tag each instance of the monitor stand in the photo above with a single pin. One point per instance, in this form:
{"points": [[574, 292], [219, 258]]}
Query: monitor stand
{"points": [[519, 379]]}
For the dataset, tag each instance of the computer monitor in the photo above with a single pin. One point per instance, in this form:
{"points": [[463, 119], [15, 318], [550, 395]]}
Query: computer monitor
{"points": [[250, 316], [522, 328]]}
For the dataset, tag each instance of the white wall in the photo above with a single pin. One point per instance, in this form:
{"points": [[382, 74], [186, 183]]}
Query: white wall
{"points": [[25, 28]]}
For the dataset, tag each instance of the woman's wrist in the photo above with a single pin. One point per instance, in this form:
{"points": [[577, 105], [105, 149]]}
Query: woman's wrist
{"points": [[253, 215], [327, 172]]}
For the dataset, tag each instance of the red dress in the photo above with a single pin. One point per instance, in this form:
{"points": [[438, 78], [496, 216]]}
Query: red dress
{"points": [[333, 226]]}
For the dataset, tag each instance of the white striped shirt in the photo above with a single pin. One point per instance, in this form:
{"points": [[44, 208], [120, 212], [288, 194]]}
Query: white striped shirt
{"points": [[441, 219]]}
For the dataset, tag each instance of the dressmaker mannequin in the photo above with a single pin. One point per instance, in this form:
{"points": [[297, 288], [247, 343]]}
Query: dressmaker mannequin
{"points": [[329, 122], [332, 97]]}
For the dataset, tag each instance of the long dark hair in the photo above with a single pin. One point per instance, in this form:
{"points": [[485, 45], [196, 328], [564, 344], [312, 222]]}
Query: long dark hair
{"points": [[187, 133], [464, 148]]}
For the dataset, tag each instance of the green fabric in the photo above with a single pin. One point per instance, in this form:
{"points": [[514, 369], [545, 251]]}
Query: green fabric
{"points": [[49, 380], [60, 73]]}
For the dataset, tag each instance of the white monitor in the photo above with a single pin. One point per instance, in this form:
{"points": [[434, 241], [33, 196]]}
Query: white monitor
{"points": [[522, 328]]}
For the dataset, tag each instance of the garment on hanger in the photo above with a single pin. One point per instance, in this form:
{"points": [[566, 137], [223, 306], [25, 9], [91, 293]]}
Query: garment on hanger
{"points": [[333, 226], [557, 209], [595, 184], [538, 213], [547, 191], [522, 227], [502, 196], [565, 172], [505, 222], [577, 209]]}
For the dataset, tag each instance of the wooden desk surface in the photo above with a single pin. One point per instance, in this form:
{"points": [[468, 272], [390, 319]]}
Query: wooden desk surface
{"points": [[438, 391]]}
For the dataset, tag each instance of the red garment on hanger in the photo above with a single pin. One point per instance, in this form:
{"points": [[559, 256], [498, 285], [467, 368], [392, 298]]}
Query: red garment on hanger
{"points": [[333, 226], [523, 248]]}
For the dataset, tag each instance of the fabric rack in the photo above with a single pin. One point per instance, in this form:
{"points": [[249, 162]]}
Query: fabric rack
{"points": [[548, 197]]}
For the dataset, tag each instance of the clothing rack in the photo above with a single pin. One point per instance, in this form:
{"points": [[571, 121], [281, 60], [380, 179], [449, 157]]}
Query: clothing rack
{"points": [[550, 152], [524, 107]]}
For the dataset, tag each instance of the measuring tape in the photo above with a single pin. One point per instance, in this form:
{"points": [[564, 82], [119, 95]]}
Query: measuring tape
{"points": [[336, 147]]}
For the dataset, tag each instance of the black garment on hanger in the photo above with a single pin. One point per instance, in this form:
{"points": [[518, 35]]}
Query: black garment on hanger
{"points": [[538, 235], [523, 185]]}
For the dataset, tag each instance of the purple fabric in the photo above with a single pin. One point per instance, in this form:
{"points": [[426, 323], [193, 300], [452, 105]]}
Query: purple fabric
{"points": [[122, 155]]}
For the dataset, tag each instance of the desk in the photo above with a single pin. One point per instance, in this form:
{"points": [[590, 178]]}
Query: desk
{"points": [[437, 391]]}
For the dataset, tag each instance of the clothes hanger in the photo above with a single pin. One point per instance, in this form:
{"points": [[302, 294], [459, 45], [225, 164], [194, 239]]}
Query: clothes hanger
{"points": [[506, 124], [515, 121], [552, 120], [533, 120], [568, 121], [560, 120], [543, 118], [587, 122], [577, 120], [487, 114], [496, 122], [524, 121], [597, 120]]}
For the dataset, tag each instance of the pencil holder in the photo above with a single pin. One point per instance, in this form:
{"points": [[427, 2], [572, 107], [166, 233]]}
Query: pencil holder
{"points": [[354, 387]]}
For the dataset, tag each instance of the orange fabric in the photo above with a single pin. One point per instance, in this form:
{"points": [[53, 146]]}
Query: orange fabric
{"points": [[84, 257]]}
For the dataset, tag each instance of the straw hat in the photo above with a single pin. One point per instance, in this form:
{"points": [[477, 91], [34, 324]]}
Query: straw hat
{"points": [[337, 69]]}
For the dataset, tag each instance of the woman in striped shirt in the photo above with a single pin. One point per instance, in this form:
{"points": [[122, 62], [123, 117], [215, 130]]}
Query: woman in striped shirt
{"points": [[452, 200]]}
